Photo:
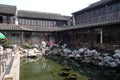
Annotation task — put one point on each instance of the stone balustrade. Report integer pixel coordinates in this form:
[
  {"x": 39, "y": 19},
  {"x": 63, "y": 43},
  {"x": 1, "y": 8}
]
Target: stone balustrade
[
  {"x": 2, "y": 67},
  {"x": 4, "y": 61}
]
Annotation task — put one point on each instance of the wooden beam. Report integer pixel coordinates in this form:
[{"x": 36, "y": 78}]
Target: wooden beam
[{"x": 101, "y": 36}]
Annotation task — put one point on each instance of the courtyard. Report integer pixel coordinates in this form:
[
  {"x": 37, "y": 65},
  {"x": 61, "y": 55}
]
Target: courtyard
[{"x": 53, "y": 68}]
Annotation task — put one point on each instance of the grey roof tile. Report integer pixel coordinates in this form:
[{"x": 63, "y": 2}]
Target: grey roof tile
[
  {"x": 94, "y": 5},
  {"x": 9, "y": 27},
  {"x": 39, "y": 28},
  {"x": 7, "y": 9},
  {"x": 40, "y": 15},
  {"x": 98, "y": 24}
]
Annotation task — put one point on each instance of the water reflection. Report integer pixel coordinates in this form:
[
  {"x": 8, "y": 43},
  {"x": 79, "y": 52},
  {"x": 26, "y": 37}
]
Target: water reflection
[
  {"x": 40, "y": 65},
  {"x": 90, "y": 70}
]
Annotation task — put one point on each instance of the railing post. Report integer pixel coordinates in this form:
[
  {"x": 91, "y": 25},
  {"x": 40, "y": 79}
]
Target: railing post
[{"x": 0, "y": 68}]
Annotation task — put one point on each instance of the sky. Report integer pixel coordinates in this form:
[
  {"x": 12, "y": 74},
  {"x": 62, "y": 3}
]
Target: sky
[{"x": 63, "y": 7}]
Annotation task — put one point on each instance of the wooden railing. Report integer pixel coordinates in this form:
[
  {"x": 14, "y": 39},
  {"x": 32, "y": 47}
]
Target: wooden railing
[{"x": 101, "y": 18}]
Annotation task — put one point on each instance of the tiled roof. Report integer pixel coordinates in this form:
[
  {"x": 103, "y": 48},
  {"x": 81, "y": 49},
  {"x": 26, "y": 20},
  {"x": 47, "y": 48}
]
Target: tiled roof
[
  {"x": 40, "y": 15},
  {"x": 94, "y": 5},
  {"x": 101, "y": 2},
  {"x": 7, "y": 9},
  {"x": 27, "y": 28},
  {"x": 9, "y": 27},
  {"x": 68, "y": 17},
  {"x": 39, "y": 28},
  {"x": 99, "y": 24},
  {"x": 53, "y": 29}
]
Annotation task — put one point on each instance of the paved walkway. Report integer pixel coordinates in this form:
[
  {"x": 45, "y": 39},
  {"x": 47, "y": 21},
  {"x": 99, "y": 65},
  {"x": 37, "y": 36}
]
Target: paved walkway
[
  {"x": 8, "y": 62},
  {"x": 13, "y": 74}
]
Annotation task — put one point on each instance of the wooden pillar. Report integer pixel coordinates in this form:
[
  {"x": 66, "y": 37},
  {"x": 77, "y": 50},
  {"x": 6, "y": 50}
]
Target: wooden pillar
[
  {"x": 91, "y": 38},
  {"x": 30, "y": 41},
  {"x": 70, "y": 33},
  {"x": 0, "y": 69},
  {"x": 0, "y": 57},
  {"x": 22, "y": 37},
  {"x": 101, "y": 36},
  {"x": 101, "y": 39}
]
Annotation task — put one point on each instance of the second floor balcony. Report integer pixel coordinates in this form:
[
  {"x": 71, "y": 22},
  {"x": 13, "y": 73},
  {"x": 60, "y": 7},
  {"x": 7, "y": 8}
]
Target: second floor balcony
[{"x": 97, "y": 19}]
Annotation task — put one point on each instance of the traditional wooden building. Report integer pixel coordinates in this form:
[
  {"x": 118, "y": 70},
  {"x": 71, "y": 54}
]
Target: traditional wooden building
[
  {"x": 32, "y": 18},
  {"x": 7, "y": 22},
  {"x": 97, "y": 26},
  {"x": 7, "y": 14},
  {"x": 31, "y": 27},
  {"x": 40, "y": 25}
]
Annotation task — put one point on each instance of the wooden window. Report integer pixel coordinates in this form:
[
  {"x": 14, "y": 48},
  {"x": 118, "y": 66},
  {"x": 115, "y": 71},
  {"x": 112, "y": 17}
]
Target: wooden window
[
  {"x": 1, "y": 19},
  {"x": 108, "y": 9},
  {"x": 103, "y": 10},
  {"x": 54, "y": 23},
  {"x": 38, "y": 22},
  {"x": 25, "y": 21},
  {"x": 28, "y": 21},
  {"x": 118, "y": 6},
  {"x": 19, "y": 21},
  {"x": 4, "y": 19},
  {"x": 16, "y": 38},
  {"x": 43, "y": 23},
  {"x": 46, "y": 23},
  {"x": 22, "y": 21},
  {"x": 31, "y": 22},
  {"x": 51, "y": 23},
  {"x": 11, "y": 19},
  {"x": 113, "y": 7},
  {"x": 91, "y": 13}
]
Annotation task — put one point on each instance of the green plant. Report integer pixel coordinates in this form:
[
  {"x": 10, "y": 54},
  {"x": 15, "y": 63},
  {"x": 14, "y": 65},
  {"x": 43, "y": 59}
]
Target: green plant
[
  {"x": 28, "y": 46},
  {"x": 5, "y": 43}
]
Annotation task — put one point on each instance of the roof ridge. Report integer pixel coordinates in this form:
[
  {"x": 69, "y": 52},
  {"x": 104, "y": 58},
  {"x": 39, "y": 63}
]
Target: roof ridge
[
  {"x": 39, "y": 12},
  {"x": 7, "y": 5}
]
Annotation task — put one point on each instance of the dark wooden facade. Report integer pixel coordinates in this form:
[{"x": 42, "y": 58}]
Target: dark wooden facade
[
  {"x": 98, "y": 25},
  {"x": 7, "y": 19},
  {"x": 32, "y": 18},
  {"x": 7, "y": 14},
  {"x": 99, "y": 13}
]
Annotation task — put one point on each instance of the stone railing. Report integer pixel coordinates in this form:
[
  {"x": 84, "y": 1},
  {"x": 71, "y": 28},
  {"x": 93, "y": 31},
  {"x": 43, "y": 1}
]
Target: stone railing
[
  {"x": 2, "y": 67},
  {"x": 4, "y": 61}
]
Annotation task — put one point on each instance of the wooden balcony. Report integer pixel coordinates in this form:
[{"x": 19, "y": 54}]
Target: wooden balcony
[{"x": 97, "y": 19}]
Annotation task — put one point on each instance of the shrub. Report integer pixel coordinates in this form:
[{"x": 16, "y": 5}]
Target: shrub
[
  {"x": 5, "y": 43},
  {"x": 28, "y": 46}
]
